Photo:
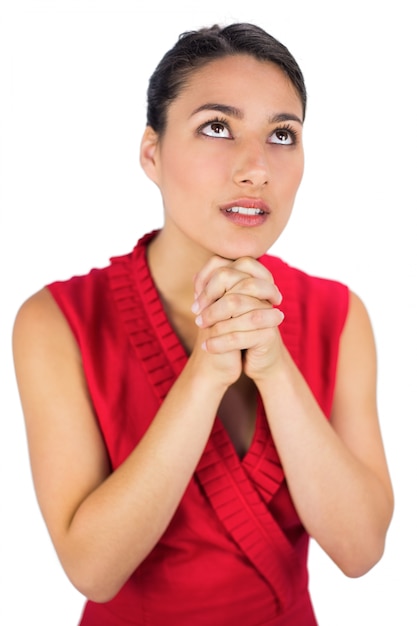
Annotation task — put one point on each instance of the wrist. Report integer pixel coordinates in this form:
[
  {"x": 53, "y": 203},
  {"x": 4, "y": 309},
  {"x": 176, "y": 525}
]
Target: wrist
[{"x": 203, "y": 373}]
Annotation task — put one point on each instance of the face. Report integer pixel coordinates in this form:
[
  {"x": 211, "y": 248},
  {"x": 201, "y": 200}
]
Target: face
[{"x": 231, "y": 158}]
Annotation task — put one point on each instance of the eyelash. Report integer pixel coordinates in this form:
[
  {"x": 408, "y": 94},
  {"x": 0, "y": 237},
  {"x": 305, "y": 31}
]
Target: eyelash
[
  {"x": 217, "y": 120},
  {"x": 290, "y": 130},
  {"x": 224, "y": 122}
]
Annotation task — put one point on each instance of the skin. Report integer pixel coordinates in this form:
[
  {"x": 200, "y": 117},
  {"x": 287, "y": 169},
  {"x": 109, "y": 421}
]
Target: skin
[{"x": 221, "y": 301}]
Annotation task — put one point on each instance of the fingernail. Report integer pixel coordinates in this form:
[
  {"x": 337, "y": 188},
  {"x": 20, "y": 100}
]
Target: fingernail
[
  {"x": 195, "y": 307},
  {"x": 199, "y": 320}
]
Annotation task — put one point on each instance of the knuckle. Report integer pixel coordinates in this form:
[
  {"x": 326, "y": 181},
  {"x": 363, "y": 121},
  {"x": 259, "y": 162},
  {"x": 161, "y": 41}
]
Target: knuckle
[
  {"x": 247, "y": 284},
  {"x": 233, "y": 301},
  {"x": 216, "y": 330},
  {"x": 222, "y": 343},
  {"x": 244, "y": 262},
  {"x": 223, "y": 273},
  {"x": 256, "y": 317},
  {"x": 232, "y": 341}
]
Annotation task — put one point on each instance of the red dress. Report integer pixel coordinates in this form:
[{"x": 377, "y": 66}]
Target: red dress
[{"x": 235, "y": 552}]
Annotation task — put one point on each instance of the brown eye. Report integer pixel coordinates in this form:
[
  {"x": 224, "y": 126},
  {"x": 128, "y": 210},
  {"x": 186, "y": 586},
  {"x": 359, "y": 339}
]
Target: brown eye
[
  {"x": 283, "y": 137},
  {"x": 216, "y": 128}
]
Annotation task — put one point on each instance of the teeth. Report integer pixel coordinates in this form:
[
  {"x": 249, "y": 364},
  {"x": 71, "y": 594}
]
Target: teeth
[{"x": 244, "y": 210}]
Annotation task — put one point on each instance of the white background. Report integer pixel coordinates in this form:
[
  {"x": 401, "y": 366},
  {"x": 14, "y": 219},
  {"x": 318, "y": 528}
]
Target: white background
[{"x": 73, "y": 80}]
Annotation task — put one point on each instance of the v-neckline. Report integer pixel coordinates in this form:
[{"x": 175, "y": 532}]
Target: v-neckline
[
  {"x": 240, "y": 491},
  {"x": 164, "y": 357},
  {"x": 170, "y": 342}
]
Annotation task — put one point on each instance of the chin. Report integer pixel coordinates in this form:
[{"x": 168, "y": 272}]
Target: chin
[{"x": 237, "y": 250}]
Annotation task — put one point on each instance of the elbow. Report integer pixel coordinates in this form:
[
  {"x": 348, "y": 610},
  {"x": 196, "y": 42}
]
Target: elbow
[
  {"x": 98, "y": 575},
  {"x": 356, "y": 561},
  {"x": 96, "y": 591},
  {"x": 364, "y": 546},
  {"x": 359, "y": 567},
  {"x": 93, "y": 583}
]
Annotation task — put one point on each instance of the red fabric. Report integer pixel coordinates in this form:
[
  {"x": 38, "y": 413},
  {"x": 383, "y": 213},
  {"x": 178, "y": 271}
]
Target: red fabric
[{"x": 235, "y": 551}]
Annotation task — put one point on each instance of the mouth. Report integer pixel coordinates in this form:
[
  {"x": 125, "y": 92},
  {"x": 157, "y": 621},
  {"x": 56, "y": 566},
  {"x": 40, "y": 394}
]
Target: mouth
[
  {"x": 246, "y": 212},
  {"x": 242, "y": 210},
  {"x": 246, "y": 206}
]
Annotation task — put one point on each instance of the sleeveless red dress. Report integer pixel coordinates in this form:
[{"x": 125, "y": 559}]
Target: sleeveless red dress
[{"x": 235, "y": 552}]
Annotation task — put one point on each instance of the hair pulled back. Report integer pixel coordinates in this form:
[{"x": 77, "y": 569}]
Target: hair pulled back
[{"x": 195, "y": 49}]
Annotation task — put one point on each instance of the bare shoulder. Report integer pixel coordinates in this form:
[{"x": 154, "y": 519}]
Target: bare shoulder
[
  {"x": 36, "y": 303},
  {"x": 48, "y": 363},
  {"x": 39, "y": 322},
  {"x": 60, "y": 420},
  {"x": 358, "y": 324},
  {"x": 356, "y": 371},
  {"x": 355, "y": 412},
  {"x": 42, "y": 341},
  {"x": 356, "y": 374}
]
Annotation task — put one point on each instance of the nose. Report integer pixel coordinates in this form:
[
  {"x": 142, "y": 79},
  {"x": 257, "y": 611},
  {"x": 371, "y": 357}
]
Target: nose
[{"x": 251, "y": 167}]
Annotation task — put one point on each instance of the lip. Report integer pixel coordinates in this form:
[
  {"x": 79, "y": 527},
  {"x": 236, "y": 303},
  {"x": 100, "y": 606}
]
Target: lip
[
  {"x": 254, "y": 214},
  {"x": 247, "y": 203}
]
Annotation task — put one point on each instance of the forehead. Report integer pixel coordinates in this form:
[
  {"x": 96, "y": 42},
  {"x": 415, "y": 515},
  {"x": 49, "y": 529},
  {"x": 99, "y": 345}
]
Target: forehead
[{"x": 239, "y": 79}]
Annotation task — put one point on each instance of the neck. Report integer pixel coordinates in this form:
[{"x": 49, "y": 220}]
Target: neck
[{"x": 173, "y": 263}]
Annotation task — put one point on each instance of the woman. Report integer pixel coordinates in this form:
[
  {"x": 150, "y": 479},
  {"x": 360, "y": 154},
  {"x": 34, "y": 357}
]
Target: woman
[{"x": 198, "y": 409}]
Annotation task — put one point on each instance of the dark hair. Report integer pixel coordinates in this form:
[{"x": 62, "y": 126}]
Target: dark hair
[{"x": 197, "y": 48}]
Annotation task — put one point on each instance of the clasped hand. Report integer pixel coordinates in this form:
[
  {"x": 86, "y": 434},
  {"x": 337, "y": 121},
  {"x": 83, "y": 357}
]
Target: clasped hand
[{"x": 237, "y": 316}]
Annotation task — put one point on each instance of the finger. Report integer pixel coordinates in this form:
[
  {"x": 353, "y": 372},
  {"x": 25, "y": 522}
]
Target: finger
[
  {"x": 203, "y": 276},
  {"x": 244, "y": 265},
  {"x": 242, "y": 339},
  {"x": 257, "y": 288},
  {"x": 234, "y": 292},
  {"x": 232, "y": 305},
  {"x": 251, "y": 266},
  {"x": 219, "y": 282}
]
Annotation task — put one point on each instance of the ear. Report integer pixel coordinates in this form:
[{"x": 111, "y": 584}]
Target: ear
[{"x": 148, "y": 153}]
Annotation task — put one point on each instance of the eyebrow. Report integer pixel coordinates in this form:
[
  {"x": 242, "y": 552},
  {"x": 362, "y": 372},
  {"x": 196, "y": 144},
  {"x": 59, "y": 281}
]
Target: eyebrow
[
  {"x": 238, "y": 113},
  {"x": 285, "y": 117},
  {"x": 222, "y": 108}
]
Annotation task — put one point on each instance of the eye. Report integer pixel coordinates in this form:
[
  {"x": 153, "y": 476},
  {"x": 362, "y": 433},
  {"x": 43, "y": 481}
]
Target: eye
[
  {"x": 283, "y": 136},
  {"x": 216, "y": 128}
]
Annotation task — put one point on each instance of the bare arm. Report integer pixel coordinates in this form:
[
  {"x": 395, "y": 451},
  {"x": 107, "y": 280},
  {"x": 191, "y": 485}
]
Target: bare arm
[
  {"x": 336, "y": 472},
  {"x": 104, "y": 524}
]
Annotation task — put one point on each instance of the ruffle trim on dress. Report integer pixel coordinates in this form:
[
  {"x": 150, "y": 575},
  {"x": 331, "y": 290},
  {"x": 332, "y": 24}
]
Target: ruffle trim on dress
[
  {"x": 141, "y": 311},
  {"x": 163, "y": 357},
  {"x": 239, "y": 491},
  {"x": 262, "y": 463},
  {"x": 246, "y": 517}
]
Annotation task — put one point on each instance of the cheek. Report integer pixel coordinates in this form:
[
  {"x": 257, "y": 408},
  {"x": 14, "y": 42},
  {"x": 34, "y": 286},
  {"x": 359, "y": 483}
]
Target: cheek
[
  {"x": 175, "y": 171},
  {"x": 298, "y": 174},
  {"x": 294, "y": 174},
  {"x": 195, "y": 171}
]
